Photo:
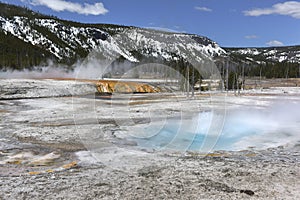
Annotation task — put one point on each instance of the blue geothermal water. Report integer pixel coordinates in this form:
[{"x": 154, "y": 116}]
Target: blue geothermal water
[{"x": 237, "y": 130}]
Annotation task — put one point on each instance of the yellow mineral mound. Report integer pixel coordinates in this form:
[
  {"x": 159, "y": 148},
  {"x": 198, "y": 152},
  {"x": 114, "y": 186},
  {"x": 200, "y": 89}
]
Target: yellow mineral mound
[{"x": 110, "y": 86}]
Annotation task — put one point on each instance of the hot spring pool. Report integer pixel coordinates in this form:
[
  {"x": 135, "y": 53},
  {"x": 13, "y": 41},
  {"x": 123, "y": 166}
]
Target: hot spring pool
[{"x": 236, "y": 130}]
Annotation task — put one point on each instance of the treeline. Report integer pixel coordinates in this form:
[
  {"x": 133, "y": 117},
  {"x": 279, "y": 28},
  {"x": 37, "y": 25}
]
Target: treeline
[
  {"x": 234, "y": 72},
  {"x": 17, "y": 54},
  {"x": 275, "y": 70},
  {"x": 10, "y": 11}
]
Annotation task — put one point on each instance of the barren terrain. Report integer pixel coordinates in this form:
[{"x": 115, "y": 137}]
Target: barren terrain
[{"x": 60, "y": 140}]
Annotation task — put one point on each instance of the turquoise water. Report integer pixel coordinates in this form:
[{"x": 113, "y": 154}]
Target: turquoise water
[
  {"x": 237, "y": 130},
  {"x": 175, "y": 134}
]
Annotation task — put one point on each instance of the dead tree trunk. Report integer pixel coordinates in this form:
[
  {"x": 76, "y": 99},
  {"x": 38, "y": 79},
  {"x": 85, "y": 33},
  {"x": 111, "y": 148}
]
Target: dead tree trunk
[
  {"x": 193, "y": 81},
  {"x": 188, "y": 82}
]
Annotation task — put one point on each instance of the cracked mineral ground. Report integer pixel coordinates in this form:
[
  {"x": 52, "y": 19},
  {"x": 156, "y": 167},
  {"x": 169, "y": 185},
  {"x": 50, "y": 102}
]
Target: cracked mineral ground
[{"x": 60, "y": 140}]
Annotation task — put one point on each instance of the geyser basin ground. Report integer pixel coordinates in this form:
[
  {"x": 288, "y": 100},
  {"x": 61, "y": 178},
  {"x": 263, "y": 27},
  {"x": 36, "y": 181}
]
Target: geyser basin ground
[{"x": 121, "y": 170}]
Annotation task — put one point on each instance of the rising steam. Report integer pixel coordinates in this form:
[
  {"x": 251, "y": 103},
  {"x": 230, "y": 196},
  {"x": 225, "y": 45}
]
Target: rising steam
[{"x": 90, "y": 68}]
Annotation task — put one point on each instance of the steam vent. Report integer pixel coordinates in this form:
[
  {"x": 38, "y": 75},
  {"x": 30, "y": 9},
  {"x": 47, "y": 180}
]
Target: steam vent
[{"x": 109, "y": 86}]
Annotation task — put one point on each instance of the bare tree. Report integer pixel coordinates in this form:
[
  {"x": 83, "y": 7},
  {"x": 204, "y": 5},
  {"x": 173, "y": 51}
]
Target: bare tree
[
  {"x": 227, "y": 75},
  {"x": 187, "y": 81},
  {"x": 260, "y": 72},
  {"x": 243, "y": 77},
  {"x": 287, "y": 72},
  {"x": 193, "y": 81}
]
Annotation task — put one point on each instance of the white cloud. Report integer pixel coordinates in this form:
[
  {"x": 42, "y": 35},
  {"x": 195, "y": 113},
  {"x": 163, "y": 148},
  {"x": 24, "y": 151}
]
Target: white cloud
[
  {"x": 289, "y": 8},
  {"x": 205, "y": 9},
  {"x": 274, "y": 43},
  {"x": 251, "y": 36},
  {"x": 62, "y": 5}
]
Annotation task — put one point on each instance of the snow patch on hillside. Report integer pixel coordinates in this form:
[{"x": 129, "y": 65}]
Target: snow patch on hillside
[{"x": 62, "y": 40}]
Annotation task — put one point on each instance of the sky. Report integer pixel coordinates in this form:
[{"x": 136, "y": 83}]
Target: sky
[{"x": 231, "y": 23}]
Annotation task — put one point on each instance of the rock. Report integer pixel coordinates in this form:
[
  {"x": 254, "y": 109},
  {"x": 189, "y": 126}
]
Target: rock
[
  {"x": 249, "y": 192},
  {"x": 214, "y": 185},
  {"x": 150, "y": 171}
]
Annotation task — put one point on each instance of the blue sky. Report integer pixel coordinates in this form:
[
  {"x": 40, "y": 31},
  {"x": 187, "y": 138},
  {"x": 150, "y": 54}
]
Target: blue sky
[{"x": 231, "y": 23}]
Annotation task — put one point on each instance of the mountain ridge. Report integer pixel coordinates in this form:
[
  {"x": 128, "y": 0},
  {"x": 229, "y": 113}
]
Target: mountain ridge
[
  {"x": 68, "y": 41},
  {"x": 267, "y": 54},
  {"x": 29, "y": 39}
]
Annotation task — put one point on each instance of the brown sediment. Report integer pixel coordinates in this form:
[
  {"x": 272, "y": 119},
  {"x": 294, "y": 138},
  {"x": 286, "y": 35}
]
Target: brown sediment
[
  {"x": 34, "y": 173},
  {"x": 72, "y": 79},
  {"x": 70, "y": 165},
  {"x": 63, "y": 146},
  {"x": 70, "y": 123},
  {"x": 58, "y": 169},
  {"x": 252, "y": 83},
  {"x": 250, "y": 154}
]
